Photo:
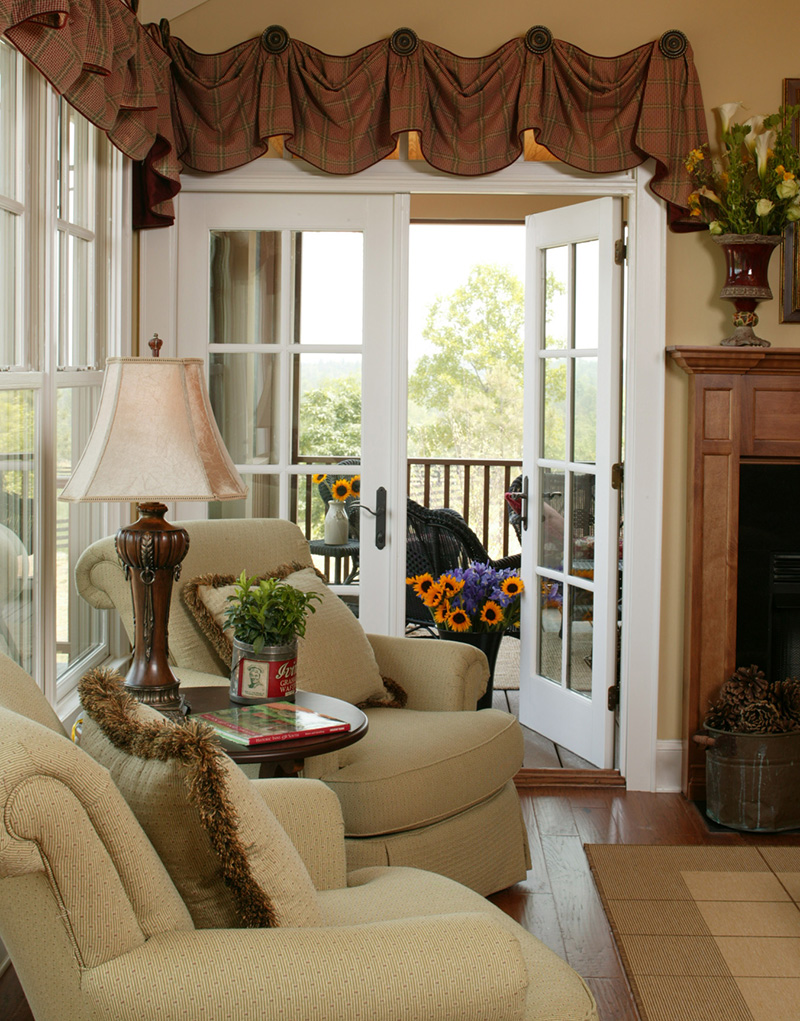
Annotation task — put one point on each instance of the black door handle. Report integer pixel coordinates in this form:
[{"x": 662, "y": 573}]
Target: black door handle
[{"x": 380, "y": 516}]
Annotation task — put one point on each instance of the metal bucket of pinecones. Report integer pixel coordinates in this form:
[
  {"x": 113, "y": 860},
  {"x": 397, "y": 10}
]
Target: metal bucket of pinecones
[{"x": 752, "y": 742}]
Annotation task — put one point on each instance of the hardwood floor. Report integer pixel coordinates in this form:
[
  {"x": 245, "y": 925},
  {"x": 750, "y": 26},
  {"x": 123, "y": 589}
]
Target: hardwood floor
[{"x": 558, "y": 901}]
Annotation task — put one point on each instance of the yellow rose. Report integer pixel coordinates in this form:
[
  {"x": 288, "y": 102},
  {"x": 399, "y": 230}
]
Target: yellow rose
[{"x": 764, "y": 207}]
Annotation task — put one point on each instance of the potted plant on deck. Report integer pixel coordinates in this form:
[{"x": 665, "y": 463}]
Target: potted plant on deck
[
  {"x": 267, "y": 616},
  {"x": 477, "y": 605}
]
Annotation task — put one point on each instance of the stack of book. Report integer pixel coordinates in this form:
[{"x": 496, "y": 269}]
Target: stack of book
[{"x": 274, "y": 721}]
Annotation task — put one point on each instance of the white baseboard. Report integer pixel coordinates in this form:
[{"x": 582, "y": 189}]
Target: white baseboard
[{"x": 669, "y": 759}]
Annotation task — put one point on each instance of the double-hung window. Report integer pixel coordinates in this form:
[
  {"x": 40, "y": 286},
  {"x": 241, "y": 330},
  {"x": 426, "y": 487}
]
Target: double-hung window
[{"x": 63, "y": 309}]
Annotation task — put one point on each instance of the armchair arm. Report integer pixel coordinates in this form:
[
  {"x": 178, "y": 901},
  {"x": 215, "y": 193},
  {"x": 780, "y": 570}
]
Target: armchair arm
[
  {"x": 443, "y": 968},
  {"x": 310, "y": 813},
  {"x": 437, "y": 675}
]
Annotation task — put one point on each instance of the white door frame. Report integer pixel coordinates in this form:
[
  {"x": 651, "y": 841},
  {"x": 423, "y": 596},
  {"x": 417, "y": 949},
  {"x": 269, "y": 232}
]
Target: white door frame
[{"x": 646, "y": 369}]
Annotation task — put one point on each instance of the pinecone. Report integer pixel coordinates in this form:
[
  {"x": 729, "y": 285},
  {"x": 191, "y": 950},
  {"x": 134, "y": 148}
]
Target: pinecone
[
  {"x": 747, "y": 684},
  {"x": 722, "y": 716},
  {"x": 760, "y": 718},
  {"x": 786, "y": 696}
]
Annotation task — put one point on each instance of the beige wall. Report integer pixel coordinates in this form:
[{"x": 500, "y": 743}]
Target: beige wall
[{"x": 742, "y": 52}]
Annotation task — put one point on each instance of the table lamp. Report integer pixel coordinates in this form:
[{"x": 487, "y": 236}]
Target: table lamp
[{"x": 154, "y": 440}]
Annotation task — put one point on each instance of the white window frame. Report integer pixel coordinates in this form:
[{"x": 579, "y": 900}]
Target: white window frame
[{"x": 41, "y": 231}]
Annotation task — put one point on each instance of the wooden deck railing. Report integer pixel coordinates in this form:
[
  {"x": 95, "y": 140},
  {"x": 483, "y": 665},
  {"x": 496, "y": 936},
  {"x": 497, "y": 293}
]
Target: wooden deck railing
[{"x": 474, "y": 487}]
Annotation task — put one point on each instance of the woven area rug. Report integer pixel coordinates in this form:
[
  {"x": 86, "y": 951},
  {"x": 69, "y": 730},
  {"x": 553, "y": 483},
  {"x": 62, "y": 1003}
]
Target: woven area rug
[{"x": 705, "y": 932}]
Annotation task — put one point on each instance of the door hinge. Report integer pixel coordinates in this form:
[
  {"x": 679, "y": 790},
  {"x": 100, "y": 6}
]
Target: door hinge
[
  {"x": 613, "y": 697},
  {"x": 617, "y": 475},
  {"x": 620, "y": 252}
]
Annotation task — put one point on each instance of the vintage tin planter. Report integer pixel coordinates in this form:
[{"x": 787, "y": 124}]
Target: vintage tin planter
[
  {"x": 266, "y": 676},
  {"x": 753, "y": 780}
]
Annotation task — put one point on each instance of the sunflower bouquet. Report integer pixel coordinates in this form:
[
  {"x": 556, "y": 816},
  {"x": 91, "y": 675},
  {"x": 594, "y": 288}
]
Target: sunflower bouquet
[
  {"x": 340, "y": 489},
  {"x": 475, "y": 598}
]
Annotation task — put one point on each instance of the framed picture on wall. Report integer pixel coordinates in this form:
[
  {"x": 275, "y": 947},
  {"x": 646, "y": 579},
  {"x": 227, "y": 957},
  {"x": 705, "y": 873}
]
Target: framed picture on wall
[{"x": 790, "y": 250}]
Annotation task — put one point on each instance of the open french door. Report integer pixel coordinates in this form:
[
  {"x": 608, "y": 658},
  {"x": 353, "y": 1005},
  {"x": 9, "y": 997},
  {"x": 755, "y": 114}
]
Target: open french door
[
  {"x": 571, "y": 545},
  {"x": 289, "y": 300}
]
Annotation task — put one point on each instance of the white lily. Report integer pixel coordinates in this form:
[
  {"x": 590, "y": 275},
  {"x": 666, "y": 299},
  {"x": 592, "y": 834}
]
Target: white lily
[
  {"x": 756, "y": 126},
  {"x": 764, "y": 142},
  {"x": 726, "y": 114},
  {"x": 709, "y": 194}
]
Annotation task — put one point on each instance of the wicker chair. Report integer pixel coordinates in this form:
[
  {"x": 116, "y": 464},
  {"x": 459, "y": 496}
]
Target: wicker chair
[{"x": 437, "y": 541}]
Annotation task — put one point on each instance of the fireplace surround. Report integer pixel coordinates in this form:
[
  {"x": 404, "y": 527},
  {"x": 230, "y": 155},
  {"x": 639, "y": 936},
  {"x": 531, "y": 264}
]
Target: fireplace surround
[{"x": 744, "y": 419}]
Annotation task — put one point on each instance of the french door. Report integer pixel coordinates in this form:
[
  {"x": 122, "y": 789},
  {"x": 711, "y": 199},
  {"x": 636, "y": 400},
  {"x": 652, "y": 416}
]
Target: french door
[
  {"x": 289, "y": 300},
  {"x": 571, "y": 554}
]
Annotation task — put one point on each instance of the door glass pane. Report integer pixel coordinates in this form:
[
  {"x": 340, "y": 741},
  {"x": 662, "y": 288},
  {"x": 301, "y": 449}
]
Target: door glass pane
[
  {"x": 556, "y": 297},
  {"x": 587, "y": 305},
  {"x": 79, "y": 626},
  {"x": 74, "y": 267},
  {"x": 584, "y": 411},
  {"x": 551, "y": 640},
  {"x": 328, "y": 407},
  {"x": 17, "y": 525},
  {"x": 554, "y": 402},
  {"x": 551, "y": 534},
  {"x": 329, "y": 287},
  {"x": 579, "y": 673},
  {"x": 8, "y": 121},
  {"x": 262, "y": 501},
  {"x": 582, "y": 533},
  {"x": 76, "y": 168},
  {"x": 245, "y": 286},
  {"x": 245, "y": 397},
  {"x": 8, "y": 288}
]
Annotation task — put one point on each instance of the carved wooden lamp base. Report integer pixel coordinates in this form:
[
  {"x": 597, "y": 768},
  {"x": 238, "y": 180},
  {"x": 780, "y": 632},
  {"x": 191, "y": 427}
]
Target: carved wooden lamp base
[{"x": 152, "y": 551}]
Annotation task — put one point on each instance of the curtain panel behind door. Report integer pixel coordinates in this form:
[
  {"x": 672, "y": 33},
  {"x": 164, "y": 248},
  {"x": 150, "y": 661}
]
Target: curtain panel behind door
[{"x": 168, "y": 107}]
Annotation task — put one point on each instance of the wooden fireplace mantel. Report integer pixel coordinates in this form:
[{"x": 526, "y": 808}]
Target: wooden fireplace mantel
[{"x": 744, "y": 407}]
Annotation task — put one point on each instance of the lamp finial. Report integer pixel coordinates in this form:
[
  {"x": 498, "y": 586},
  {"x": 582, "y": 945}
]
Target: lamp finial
[{"x": 155, "y": 345}]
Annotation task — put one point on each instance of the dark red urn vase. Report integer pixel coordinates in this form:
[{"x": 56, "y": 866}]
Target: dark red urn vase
[{"x": 746, "y": 282}]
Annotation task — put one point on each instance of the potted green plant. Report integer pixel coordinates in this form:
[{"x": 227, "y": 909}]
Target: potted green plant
[{"x": 267, "y": 616}]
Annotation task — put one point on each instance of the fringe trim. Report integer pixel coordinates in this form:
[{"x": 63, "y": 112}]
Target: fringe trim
[
  {"x": 192, "y": 745},
  {"x": 220, "y": 642},
  {"x": 398, "y": 699},
  {"x": 223, "y": 646}
]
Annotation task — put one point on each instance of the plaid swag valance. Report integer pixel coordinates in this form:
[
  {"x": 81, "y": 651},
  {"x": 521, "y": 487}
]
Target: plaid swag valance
[{"x": 168, "y": 107}]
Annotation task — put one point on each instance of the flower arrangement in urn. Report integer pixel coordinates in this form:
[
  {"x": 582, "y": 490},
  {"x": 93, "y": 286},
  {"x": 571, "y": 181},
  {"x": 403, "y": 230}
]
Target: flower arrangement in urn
[
  {"x": 748, "y": 195},
  {"x": 752, "y": 186},
  {"x": 477, "y": 598}
]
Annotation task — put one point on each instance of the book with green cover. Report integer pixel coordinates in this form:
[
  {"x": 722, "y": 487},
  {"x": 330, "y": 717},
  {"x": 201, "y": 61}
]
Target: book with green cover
[{"x": 274, "y": 721}]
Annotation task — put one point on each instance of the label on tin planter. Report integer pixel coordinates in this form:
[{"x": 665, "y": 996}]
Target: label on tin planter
[{"x": 259, "y": 678}]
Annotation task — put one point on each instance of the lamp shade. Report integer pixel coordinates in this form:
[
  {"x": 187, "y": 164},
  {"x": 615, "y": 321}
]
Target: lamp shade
[{"x": 154, "y": 438}]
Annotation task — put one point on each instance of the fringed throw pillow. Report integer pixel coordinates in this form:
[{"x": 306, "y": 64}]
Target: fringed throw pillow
[
  {"x": 230, "y": 859},
  {"x": 335, "y": 656}
]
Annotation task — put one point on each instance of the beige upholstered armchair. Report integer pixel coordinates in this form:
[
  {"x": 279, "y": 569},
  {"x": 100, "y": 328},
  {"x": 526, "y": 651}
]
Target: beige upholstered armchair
[
  {"x": 431, "y": 785},
  {"x": 100, "y": 925}
]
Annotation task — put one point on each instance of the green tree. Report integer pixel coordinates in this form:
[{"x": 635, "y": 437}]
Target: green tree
[
  {"x": 330, "y": 419},
  {"x": 466, "y": 395}
]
